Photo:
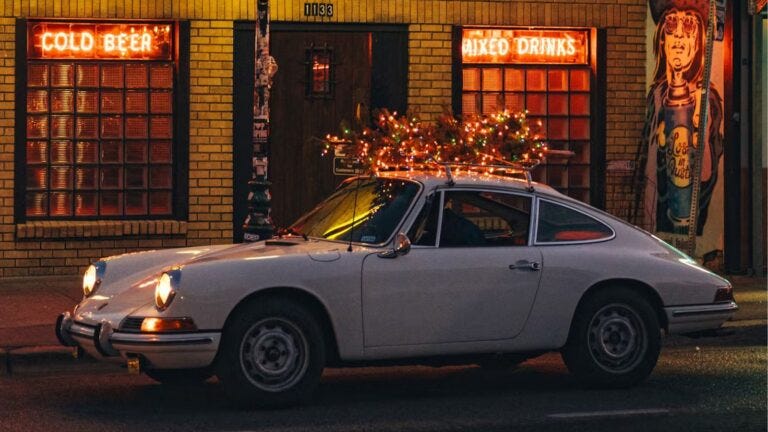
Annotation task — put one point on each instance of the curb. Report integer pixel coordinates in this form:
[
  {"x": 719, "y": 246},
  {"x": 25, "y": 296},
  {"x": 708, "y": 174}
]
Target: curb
[{"x": 13, "y": 358}]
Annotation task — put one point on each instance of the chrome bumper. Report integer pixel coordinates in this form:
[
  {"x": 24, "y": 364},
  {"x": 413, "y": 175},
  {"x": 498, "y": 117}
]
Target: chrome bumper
[
  {"x": 161, "y": 351},
  {"x": 686, "y": 319}
]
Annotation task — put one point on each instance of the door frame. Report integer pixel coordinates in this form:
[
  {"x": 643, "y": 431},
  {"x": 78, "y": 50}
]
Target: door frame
[{"x": 243, "y": 87}]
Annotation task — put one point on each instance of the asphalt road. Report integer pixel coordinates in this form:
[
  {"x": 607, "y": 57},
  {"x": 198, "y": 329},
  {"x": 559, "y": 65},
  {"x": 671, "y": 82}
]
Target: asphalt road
[{"x": 716, "y": 384}]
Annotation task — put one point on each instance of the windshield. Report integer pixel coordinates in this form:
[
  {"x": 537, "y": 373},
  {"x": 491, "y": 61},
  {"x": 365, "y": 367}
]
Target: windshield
[{"x": 364, "y": 210}]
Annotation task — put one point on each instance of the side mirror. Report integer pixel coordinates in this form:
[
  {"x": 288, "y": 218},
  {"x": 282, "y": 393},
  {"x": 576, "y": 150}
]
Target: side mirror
[{"x": 402, "y": 246}]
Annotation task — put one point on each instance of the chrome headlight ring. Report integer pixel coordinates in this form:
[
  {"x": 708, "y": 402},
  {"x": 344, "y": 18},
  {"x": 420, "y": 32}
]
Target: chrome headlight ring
[
  {"x": 92, "y": 277},
  {"x": 166, "y": 288}
]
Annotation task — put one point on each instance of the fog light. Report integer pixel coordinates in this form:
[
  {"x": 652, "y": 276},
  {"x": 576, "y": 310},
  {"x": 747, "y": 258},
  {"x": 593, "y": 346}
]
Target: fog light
[
  {"x": 724, "y": 294},
  {"x": 166, "y": 325}
]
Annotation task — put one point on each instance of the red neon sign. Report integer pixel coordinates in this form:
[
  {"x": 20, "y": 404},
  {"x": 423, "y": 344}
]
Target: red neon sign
[
  {"x": 142, "y": 41},
  {"x": 524, "y": 46}
]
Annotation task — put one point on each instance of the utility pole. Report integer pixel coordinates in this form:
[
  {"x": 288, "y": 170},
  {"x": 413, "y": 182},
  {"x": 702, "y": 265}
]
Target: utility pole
[{"x": 258, "y": 223}]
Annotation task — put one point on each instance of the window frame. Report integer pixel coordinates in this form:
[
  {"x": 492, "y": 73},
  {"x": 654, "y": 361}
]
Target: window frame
[
  {"x": 597, "y": 61},
  {"x": 442, "y": 192},
  {"x": 180, "y": 125},
  {"x": 535, "y": 227}
]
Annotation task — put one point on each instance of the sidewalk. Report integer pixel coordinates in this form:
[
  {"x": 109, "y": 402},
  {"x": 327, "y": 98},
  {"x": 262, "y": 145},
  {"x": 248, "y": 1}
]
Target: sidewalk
[{"x": 29, "y": 307}]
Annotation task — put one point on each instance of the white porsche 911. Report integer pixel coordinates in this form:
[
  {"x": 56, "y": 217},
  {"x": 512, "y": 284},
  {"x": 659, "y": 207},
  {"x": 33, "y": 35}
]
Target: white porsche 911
[{"x": 402, "y": 267}]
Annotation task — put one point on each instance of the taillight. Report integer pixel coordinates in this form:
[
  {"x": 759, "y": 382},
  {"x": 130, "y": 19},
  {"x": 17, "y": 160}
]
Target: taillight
[{"x": 724, "y": 294}]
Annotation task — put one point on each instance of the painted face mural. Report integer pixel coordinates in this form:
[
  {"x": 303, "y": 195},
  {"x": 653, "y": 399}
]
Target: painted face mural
[
  {"x": 673, "y": 113},
  {"x": 681, "y": 33}
]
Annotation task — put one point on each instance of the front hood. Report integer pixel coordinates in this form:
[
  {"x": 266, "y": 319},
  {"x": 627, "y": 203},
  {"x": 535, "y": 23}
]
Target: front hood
[
  {"x": 141, "y": 269},
  {"x": 129, "y": 280}
]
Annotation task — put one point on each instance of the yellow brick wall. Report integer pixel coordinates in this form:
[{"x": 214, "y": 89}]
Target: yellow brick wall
[
  {"x": 40, "y": 248},
  {"x": 25, "y": 250}
]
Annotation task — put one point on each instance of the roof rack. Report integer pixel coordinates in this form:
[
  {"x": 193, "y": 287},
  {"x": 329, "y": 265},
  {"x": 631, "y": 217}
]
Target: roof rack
[{"x": 504, "y": 168}]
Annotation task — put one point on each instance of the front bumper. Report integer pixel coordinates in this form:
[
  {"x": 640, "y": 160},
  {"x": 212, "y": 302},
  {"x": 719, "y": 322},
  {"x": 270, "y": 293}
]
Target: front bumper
[
  {"x": 157, "y": 351},
  {"x": 693, "y": 318}
]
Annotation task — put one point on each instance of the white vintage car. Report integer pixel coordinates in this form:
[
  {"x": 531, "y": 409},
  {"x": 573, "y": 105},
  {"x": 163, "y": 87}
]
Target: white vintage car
[{"x": 403, "y": 267}]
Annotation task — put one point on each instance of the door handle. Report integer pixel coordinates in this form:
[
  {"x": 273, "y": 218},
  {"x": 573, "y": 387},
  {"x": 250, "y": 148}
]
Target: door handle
[{"x": 526, "y": 265}]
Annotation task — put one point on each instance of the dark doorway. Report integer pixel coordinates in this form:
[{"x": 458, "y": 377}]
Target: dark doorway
[{"x": 326, "y": 74}]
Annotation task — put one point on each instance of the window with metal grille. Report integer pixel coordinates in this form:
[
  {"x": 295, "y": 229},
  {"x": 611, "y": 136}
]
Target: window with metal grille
[
  {"x": 557, "y": 99},
  {"x": 99, "y": 139},
  {"x": 320, "y": 72}
]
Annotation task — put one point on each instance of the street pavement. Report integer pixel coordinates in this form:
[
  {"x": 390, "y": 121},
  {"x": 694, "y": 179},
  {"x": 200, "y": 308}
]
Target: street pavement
[{"x": 29, "y": 308}]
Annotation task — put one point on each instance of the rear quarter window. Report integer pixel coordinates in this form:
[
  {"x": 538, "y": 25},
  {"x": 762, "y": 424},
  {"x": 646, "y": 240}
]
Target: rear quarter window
[{"x": 558, "y": 223}]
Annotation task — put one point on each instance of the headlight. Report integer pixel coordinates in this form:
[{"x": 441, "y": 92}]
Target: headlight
[
  {"x": 165, "y": 290},
  {"x": 92, "y": 277}
]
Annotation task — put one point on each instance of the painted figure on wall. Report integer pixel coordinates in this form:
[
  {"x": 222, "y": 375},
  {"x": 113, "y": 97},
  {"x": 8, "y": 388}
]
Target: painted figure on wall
[{"x": 674, "y": 101}]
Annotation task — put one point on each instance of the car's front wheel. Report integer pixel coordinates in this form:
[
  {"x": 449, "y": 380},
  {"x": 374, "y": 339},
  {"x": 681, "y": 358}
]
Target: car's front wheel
[
  {"x": 272, "y": 354},
  {"x": 614, "y": 340}
]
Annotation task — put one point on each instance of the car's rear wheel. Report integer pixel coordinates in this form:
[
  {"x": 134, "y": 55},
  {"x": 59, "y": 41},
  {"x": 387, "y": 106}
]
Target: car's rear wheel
[
  {"x": 272, "y": 354},
  {"x": 180, "y": 376},
  {"x": 614, "y": 340}
]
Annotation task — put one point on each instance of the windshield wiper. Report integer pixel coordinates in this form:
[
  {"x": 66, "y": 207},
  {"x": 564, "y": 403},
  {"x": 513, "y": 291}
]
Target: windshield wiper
[{"x": 290, "y": 231}]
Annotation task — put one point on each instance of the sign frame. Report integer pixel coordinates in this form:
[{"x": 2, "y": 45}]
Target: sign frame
[
  {"x": 121, "y": 46},
  {"x": 541, "y": 39}
]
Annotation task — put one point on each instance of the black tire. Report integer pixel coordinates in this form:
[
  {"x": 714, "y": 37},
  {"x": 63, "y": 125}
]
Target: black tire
[
  {"x": 614, "y": 340},
  {"x": 180, "y": 377},
  {"x": 272, "y": 354}
]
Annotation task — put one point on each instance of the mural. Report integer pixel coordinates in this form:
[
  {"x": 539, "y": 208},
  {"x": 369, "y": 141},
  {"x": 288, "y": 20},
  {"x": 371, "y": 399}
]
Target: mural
[{"x": 670, "y": 135}]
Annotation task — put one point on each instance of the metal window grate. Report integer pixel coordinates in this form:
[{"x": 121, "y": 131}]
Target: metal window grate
[{"x": 320, "y": 72}]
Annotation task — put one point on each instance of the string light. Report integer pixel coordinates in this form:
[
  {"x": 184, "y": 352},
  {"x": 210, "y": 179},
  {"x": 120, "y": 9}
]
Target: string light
[{"x": 405, "y": 142}]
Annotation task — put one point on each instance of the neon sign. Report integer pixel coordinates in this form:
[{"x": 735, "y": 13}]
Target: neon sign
[
  {"x": 57, "y": 40},
  {"x": 525, "y": 46}
]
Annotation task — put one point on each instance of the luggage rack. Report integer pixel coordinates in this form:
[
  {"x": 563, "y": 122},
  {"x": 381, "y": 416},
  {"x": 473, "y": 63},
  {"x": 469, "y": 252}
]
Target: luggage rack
[{"x": 503, "y": 167}]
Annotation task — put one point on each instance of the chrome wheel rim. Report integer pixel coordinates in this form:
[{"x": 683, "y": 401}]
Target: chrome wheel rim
[
  {"x": 617, "y": 338},
  {"x": 274, "y": 354}
]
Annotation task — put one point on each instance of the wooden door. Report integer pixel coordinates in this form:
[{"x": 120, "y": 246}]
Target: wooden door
[{"x": 302, "y": 113}]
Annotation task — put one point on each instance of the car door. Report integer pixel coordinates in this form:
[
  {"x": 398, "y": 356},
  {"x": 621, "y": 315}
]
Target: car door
[{"x": 475, "y": 281}]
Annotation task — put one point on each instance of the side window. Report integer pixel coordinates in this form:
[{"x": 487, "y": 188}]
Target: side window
[
  {"x": 474, "y": 218},
  {"x": 423, "y": 232},
  {"x": 562, "y": 224}
]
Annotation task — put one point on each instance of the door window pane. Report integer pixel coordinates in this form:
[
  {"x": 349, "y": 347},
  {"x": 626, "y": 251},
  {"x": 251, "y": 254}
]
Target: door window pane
[{"x": 472, "y": 219}]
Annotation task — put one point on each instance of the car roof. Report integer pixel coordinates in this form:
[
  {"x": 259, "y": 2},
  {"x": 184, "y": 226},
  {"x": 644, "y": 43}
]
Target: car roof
[{"x": 463, "y": 178}]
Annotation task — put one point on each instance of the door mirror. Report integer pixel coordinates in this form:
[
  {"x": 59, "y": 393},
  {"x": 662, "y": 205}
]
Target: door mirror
[{"x": 401, "y": 247}]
